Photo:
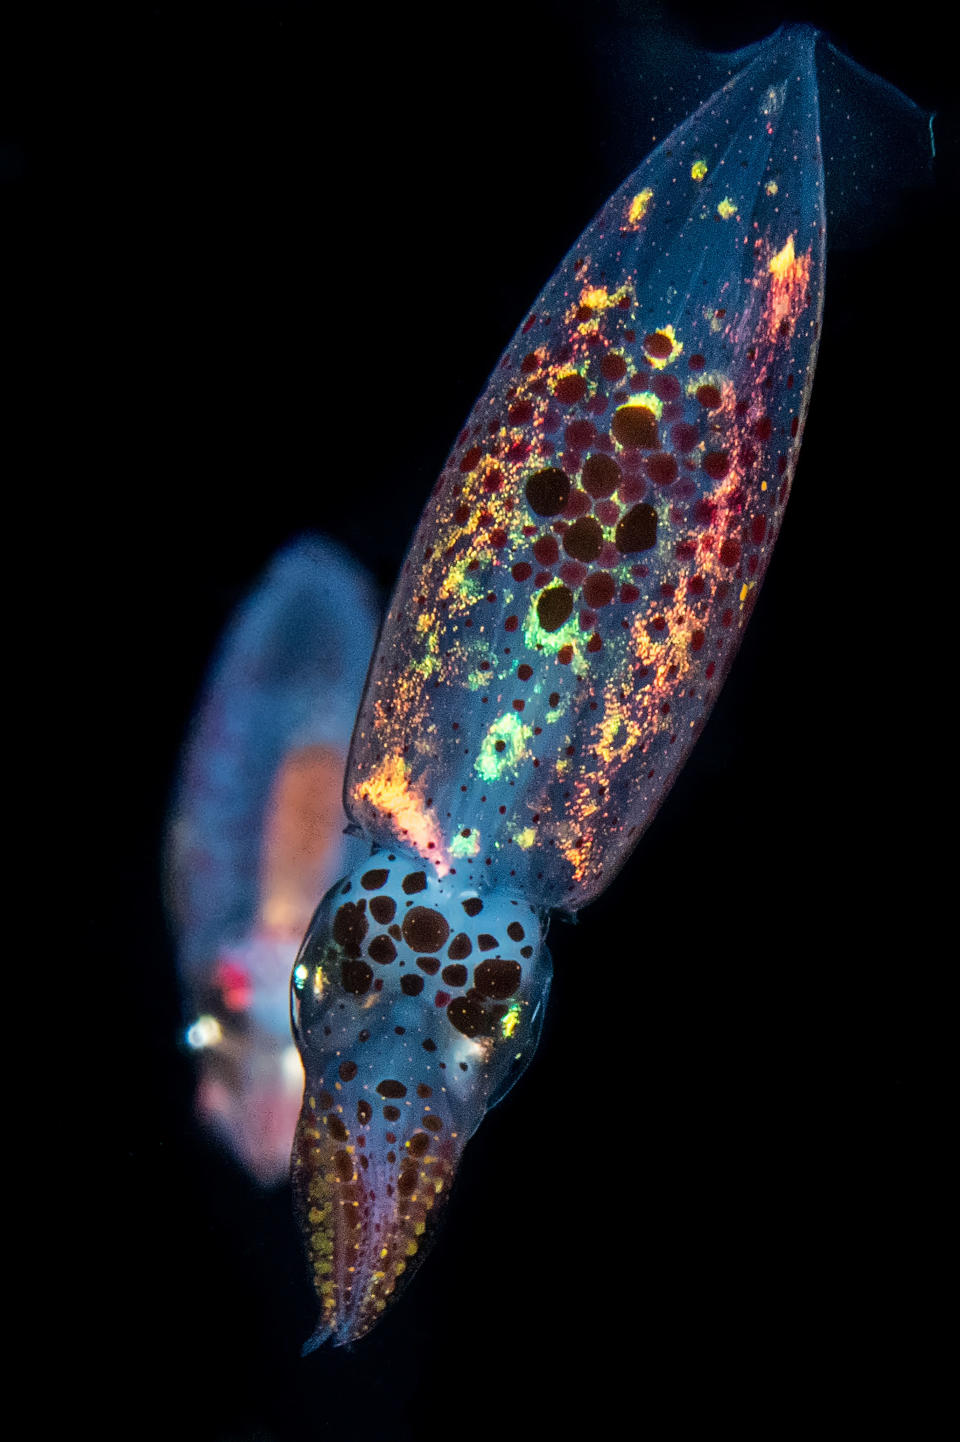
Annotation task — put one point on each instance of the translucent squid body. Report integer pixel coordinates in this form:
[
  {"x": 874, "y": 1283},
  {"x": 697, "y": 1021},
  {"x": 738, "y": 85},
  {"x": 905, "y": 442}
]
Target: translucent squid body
[
  {"x": 574, "y": 594},
  {"x": 256, "y": 836}
]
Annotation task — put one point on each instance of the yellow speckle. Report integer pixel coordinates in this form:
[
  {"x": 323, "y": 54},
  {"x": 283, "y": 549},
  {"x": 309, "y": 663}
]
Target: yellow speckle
[
  {"x": 638, "y": 206},
  {"x": 782, "y": 262},
  {"x": 771, "y": 187},
  {"x": 411, "y": 1249},
  {"x": 726, "y": 208},
  {"x": 763, "y": 485},
  {"x": 525, "y": 838},
  {"x": 698, "y": 170}
]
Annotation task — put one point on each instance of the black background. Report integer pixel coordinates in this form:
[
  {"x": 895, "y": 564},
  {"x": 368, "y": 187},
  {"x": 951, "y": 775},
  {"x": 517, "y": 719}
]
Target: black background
[{"x": 712, "y": 1197}]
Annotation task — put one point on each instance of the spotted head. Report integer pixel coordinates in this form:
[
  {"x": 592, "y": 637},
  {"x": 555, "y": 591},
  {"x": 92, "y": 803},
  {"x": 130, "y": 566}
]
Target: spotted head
[{"x": 416, "y": 1005}]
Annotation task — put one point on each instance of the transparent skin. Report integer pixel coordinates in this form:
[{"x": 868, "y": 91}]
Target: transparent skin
[
  {"x": 572, "y": 599},
  {"x": 417, "y": 1003}
]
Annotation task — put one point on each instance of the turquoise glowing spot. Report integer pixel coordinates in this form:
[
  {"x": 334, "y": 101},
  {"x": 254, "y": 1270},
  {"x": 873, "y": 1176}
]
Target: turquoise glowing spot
[
  {"x": 300, "y": 974},
  {"x": 503, "y": 747}
]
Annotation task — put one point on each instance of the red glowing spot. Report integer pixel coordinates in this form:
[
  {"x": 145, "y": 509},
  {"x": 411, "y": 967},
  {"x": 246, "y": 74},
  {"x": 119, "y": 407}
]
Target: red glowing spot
[
  {"x": 709, "y": 397},
  {"x": 594, "y": 644},
  {"x": 662, "y": 468},
  {"x": 470, "y": 459},
  {"x": 730, "y": 553},
  {"x": 522, "y": 571},
  {"x": 528, "y": 324},
  {"x": 498, "y": 539},
  {"x": 530, "y": 362},
  {"x": 565, "y": 655},
  {"x": 519, "y": 414},
  {"x": 685, "y": 550},
  {"x": 545, "y": 551},
  {"x": 666, "y": 387},
  {"x": 697, "y": 639},
  {"x": 758, "y": 529},
  {"x": 511, "y": 623},
  {"x": 696, "y": 363},
  {"x": 763, "y": 428},
  {"x": 580, "y": 434},
  {"x": 629, "y": 594}
]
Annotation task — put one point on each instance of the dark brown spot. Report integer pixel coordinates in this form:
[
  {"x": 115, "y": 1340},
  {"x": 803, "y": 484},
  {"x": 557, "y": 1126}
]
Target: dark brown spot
[
  {"x": 373, "y": 880},
  {"x": 407, "y": 1178},
  {"x": 418, "y": 1144},
  {"x": 486, "y": 942},
  {"x": 382, "y": 909},
  {"x": 637, "y": 531},
  {"x": 424, "y": 929},
  {"x": 364, "y": 1112},
  {"x": 391, "y": 1114},
  {"x": 460, "y": 947},
  {"x": 324, "y": 1101},
  {"x": 336, "y": 1127},
  {"x": 466, "y": 1015},
  {"x": 350, "y": 927},
  {"x": 584, "y": 539},
  {"x": 515, "y": 931},
  {"x": 343, "y": 1166},
  {"x": 347, "y": 1070},
  {"x": 381, "y": 949},
  {"x": 414, "y": 881},
  {"x": 635, "y": 426},
  {"x": 429, "y": 964},
  {"x": 554, "y": 607},
  {"x": 601, "y": 476},
  {"x": 570, "y": 389},
  {"x": 391, "y": 1088},
  {"x": 455, "y": 975},
  {"x": 657, "y": 345},
  {"x": 472, "y": 906},
  {"x": 498, "y": 979},
  {"x": 411, "y": 985},
  {"x": 356, "y": 977},
  {"x": 432, "y": 1123},
  {"x": 547, "y": 492},
  {"x": 709, "y": 397}
]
